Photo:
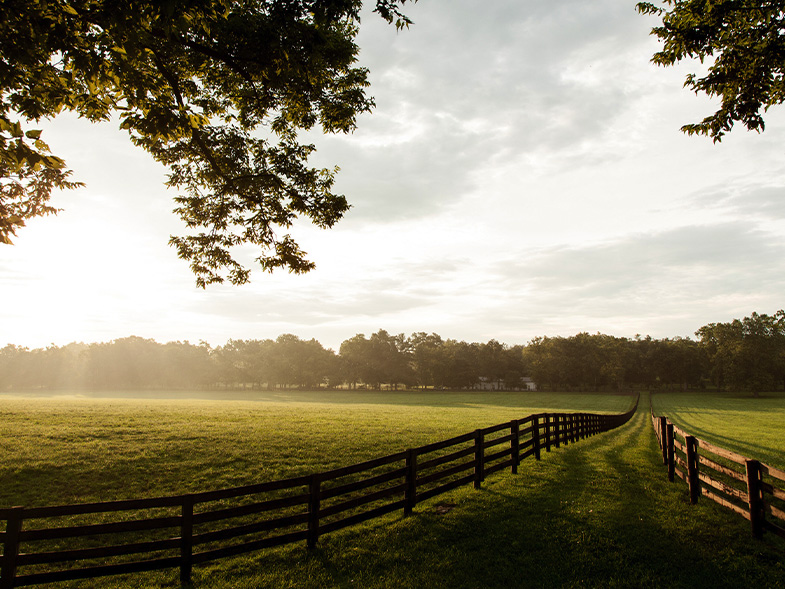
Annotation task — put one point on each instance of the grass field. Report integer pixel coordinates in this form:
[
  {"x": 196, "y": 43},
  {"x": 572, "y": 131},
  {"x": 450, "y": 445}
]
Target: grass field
[
  {"x": 599, "y": 513},
  {"x": 752, "y": 427},
  {"x": 66, "y": 450}
]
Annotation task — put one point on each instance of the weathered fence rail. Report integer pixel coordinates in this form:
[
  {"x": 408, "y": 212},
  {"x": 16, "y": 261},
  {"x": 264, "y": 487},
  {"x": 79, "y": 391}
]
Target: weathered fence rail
[
  {"x": 83, "y": 541},
  {"x": 754, "y": 490}
]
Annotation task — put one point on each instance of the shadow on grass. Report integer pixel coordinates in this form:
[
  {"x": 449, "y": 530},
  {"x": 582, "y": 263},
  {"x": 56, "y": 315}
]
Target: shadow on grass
[{"x": 599, "y": 513}]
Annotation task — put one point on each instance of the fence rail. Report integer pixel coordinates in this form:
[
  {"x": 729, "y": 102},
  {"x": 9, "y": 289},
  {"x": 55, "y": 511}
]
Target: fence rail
[
  {"x": 748, "y": 487},
  {"x": 89, "y": 540}
]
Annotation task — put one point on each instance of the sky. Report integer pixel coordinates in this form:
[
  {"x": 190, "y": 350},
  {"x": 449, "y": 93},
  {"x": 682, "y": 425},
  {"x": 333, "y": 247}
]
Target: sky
[{"x": 523, "y": 174}]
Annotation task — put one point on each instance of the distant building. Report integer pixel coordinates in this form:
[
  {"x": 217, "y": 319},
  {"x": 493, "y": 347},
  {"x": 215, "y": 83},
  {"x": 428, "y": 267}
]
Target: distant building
[
  {"x": 528, "y": 384},
  {"x": 497, "y": 384}
]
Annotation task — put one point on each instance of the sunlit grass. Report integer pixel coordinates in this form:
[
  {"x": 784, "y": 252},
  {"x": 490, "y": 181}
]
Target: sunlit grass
[
  {"x": 65, "y": 450},
  {"x": 599, "y": 513},
  {"x": 750, "y": 426}
]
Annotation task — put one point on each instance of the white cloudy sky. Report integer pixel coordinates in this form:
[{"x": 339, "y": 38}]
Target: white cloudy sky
[{"x": 523, "y": 174}]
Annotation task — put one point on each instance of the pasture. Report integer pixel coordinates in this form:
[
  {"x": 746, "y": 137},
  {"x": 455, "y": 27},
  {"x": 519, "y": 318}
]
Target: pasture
[
  {"x": 598, "y": 513},
  {"x": 739, "y": 422},
  {"x": 78, "y": 449}
]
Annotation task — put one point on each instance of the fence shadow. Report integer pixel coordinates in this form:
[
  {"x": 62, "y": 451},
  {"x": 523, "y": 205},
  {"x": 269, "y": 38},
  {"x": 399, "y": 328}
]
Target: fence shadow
[{"x": 592, "y": 514}]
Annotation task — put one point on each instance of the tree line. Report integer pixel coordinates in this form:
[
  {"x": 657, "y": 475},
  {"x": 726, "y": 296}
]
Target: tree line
[{"x": 744, "y": 354}]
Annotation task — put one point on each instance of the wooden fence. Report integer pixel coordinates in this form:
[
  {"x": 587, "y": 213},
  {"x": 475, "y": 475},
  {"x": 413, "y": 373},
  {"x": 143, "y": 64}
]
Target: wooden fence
[
  {"x": 754, "y": 490},
  {"x": 49, "y": 544}
]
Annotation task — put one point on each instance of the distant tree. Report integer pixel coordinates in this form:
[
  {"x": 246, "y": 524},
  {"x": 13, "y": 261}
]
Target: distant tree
[
  {"x": 429, "y": 360},
  {"x": 186, "y": 365},
  {"x": 501, "y": 364},
  {"x": 463, "y": 368},
  {"x": 355, "y": 357},
  {"x": 743, "y": 43},
  {"x": 303, "y": 363},
  {"x": 382, "y": 358},
  {"x": 516, "y": 367},
  {"x": 583, "y": 361},
  {"x": 125, "y": 363},
  {"x": 59, "y": 367},
  {"x": 680, "y": 362},
  {"x": 228, "y": 365},
  {"x": 14, "y": 371},
  {"x": 546, "y": 358},
  {"x": 492, "y": 361},
  {"x": 747, "y": 354},
  {"x": 616, "y": 358},
  {"x": 216, "y": 90}
]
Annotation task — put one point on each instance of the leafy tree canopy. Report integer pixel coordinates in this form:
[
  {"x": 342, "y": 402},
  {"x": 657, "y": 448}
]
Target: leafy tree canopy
[
  {"x": 743, "y": 41},
  {"x": 216, "y": 90}
]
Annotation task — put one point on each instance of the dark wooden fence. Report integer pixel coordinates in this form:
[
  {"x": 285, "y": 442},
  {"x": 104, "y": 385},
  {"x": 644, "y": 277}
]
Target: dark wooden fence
[
  {"x": 754, "y": 490},
  {"x": 48, "y": 544}
]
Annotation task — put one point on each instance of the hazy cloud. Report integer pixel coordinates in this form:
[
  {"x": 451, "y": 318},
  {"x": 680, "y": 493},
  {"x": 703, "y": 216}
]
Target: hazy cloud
[
  {"x": 481, "y": 84},
  {"x": 745, "y": 198}
]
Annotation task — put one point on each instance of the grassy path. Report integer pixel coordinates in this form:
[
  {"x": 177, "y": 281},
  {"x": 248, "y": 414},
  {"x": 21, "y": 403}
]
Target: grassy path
[{"x": 599, "y": 513}]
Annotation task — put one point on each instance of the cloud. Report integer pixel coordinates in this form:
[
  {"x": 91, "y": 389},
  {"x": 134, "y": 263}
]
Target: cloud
[
  {"x": 722, "y": 258},
  {"x": 473, "y": 85},
  {"x": 647, "y": 283},
  {"x": 749, "y": 199}
]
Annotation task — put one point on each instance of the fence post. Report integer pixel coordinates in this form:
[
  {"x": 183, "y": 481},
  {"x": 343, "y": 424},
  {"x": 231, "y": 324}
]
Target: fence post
[
  {"x": 314, "y": 491},
  {"x": 565, "y": 429},
  {"x": 515, "y": 445},
  {"x": 547, "y": 423},
  {"x": 186, "y": 538},
  {"x": 479, "y": 458},
  {"x": 662, "y": 440},
  {"x": 556, "y": 431},
  {"x": 536, "y": 436},
  {"x": 11, "y": 547},
  {"x": 692, "y": 469},
  {"x": 671, "y": 457},
  {"x": 410, "y": 495},
  {"x": 755, "y": 495}
]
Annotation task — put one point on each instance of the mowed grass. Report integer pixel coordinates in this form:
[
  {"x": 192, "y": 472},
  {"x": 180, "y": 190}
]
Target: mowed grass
[
  {"x": 737, "y": 421},
  {"x": 598, "y": 513},
  {"x": 74, "y": 449}
]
